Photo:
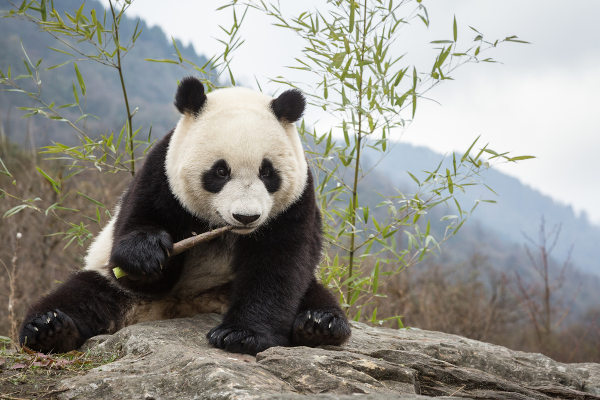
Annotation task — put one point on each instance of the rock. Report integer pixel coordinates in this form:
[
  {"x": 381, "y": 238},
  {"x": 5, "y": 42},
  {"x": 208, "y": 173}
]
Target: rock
[{"x": 172, "y": 360}]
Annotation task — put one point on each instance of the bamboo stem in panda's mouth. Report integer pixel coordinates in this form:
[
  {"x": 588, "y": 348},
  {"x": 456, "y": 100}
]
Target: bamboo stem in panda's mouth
[
  {"x": 185, "y": 244},
  {"x": 192, "y": 241}
]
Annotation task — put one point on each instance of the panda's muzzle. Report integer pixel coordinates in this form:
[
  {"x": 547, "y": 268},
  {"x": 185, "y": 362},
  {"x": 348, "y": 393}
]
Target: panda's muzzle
[{"x": 246, "y": 219}]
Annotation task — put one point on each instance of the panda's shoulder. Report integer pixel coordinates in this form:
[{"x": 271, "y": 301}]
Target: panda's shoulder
[
  {"x": 150, "y": 183},
  {"x": 155, "y": 160}
]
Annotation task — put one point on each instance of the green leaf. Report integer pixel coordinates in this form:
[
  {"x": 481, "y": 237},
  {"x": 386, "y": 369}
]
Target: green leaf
[
  {"x": 61, "y": 51},
  {"x": 43, "y": 10},
  {"x": 450, "y": 184},
  {"x": 15, "y": 210},
  {"x": 119, "y": 273},
  {"x": 5, "y": 170},
  {"x": 376, "y": 278},
  {"x": 75, "y": 96},
  {"x": 351, "y": 18},
  {"x": 79, "y": 79},
  {"x": 455, "y": 29},
  {"x": 518, "y": 158},
  {"x": 338, "y": 59},
  {"x": 55, "y": 184},
  {"x": 161, "y": 60},
  {"x": 58, "y": 65},
  {"x": 96, "y": 202},
  {"x": 414, "y": 178},
  {"x": 177, "y": 49},
  {"x": 464, "y": 157}
]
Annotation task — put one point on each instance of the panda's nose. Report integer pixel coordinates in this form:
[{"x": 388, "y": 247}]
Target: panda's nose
[{"x": 246, "y": 219}]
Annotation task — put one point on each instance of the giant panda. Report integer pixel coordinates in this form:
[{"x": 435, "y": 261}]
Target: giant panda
[{"x": 234, "y": 159}]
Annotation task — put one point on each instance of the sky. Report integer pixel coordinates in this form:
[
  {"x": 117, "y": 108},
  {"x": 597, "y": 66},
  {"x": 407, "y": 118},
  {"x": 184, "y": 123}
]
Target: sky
[{"x": 542, "y": 99}]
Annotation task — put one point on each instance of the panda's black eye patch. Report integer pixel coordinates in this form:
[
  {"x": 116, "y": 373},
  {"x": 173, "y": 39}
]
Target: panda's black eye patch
[
  {"x": 216, "y": 177},
  {"x": 269, "y": 175}
]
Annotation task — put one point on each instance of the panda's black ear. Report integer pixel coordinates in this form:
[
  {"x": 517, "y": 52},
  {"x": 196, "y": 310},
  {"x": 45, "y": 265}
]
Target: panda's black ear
[
  {"x": 289, "y": 106},
  {"x": 190, "y": 96}
]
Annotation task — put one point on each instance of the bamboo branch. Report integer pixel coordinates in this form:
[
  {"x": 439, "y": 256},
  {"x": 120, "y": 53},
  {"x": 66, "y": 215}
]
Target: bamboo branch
[{"x": 192, "y": 241}]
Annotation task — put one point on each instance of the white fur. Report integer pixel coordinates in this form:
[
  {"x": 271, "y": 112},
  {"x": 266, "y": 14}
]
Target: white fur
[
  {"x": 206, "y": 266},
  {"x": 98, "y": 253},
  {"x": 237, "y": 125},
  {"x": 246, "y": 195}
]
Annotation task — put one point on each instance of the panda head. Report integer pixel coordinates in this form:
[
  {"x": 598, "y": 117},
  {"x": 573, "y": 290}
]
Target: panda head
[{"x": 235, "y": 157}]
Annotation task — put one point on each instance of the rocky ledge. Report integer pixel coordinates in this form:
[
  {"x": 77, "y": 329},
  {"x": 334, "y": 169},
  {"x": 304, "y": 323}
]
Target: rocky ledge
[{"x": 172, "y": 360}]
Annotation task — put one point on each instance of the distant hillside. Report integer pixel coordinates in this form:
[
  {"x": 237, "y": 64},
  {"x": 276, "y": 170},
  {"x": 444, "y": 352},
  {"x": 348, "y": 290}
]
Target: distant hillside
[
  {"x": 519, "y": 209},
  {"x": 151, "y": 86},
  {"x": 496, "y": 232}
]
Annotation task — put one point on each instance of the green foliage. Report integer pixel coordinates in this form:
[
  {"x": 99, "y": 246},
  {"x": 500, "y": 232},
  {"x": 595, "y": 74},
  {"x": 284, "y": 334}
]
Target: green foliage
[
  {"x": 219, "y": 64},
  {"x": 78, "y": 37}
]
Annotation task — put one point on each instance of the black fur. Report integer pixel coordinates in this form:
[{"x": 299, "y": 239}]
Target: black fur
[
  {"x": 319, "y": 320},
  {"x": 269, "y": 176},
  {"x": 216, "y": 177},
  {"x": 289, "y": 106},
  {"x": 142, "y": 252},
  {"x": 273, "y": 269},
  {"x": 84, "y": 306},
  {"x": 190, "y": 97},
  {"x": 274, "y": 299}
]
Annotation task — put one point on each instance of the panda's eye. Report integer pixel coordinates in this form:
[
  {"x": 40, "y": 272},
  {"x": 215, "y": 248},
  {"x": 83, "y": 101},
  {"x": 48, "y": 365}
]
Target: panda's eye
[
  {"x": 269, "y": 175},
  {"x": 222, "y": 172},
  {"x": 265, "y": 171}
]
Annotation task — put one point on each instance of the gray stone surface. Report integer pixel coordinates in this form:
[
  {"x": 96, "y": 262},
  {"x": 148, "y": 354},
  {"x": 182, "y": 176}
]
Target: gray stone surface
[{"x": 172, "y": 360}]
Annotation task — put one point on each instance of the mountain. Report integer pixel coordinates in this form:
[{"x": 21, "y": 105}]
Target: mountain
[
  {"x": 518, "y": 211},
  {"x": 151, "y": 86}
]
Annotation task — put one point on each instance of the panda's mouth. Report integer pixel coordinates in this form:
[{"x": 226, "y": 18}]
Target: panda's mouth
[{"x": 242, "y": 231}]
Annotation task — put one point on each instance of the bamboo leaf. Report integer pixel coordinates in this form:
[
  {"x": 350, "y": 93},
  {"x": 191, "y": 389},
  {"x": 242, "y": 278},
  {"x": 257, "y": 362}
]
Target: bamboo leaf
[
  {"x": 338, "y": 59},
  {"x": 455, "y": 29},
  {"x": 161, "y": 60},
  {"x": 518, "y": 158},
  {"x": 352, "y": 16},
  {"x": 79, "y": 79},
  {"x": 450, "y": 184}
]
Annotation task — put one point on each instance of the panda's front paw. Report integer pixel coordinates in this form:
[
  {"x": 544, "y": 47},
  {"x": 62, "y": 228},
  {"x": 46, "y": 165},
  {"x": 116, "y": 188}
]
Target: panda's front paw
[
  {"x": 320, "y": 327},
  {"x": 53, "y": 331},
  {"x": 142, "y": 253},
  {"x": 239, "y": 340}
]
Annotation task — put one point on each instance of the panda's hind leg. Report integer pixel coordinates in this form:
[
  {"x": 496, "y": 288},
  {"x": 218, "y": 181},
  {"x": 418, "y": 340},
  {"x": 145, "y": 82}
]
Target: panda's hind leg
[
  {"x": 87, "y": 304},
  {"x": 320, "y": 320}
]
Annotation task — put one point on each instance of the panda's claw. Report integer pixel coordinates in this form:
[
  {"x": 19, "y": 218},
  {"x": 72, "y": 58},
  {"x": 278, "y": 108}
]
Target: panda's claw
[
  {"x": 53, "y": 331},
  {"x": 238, "y": 340},
  {"x": 320, "y": 327}
]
